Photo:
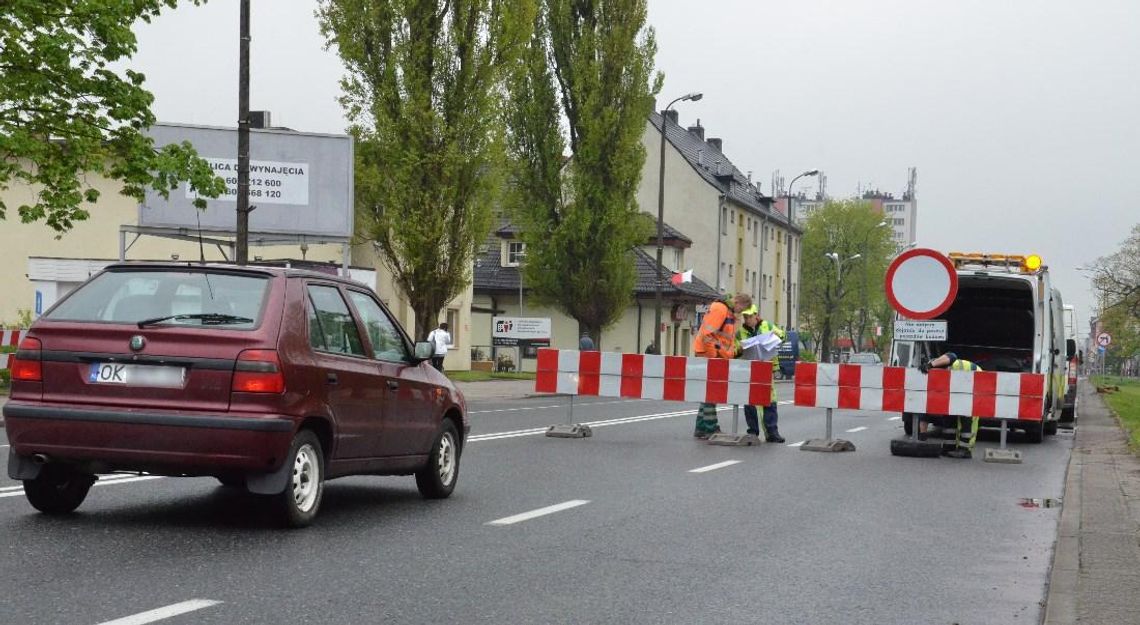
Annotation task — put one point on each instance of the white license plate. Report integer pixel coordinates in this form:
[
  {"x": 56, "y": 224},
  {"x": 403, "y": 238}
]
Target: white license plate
[{"x": 136, "y": 375}]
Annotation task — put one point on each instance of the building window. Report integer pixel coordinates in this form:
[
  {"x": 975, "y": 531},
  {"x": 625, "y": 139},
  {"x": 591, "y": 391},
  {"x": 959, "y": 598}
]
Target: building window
[
  {"x": 730, "y": 271},
  {"x": 748, "y": 223},
  {"x": 678, "y": 259},
  {"x": 779, "y": 237},
  {"x": 756, "y": 235},
  {"x": 899, "y": 222},
  {"x": 763, "y": 286},
  {"x": 732, "y": 217},
  {"x": 724, "y": 220},
  {"x": 453, "y": 326},
  {"x": 516, "y": 250},
  {"x": 771, "y": 233}
]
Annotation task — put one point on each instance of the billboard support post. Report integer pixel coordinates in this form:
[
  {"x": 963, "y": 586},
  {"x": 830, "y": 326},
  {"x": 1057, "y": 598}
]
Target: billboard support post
[{"x": 242, "y": 229}]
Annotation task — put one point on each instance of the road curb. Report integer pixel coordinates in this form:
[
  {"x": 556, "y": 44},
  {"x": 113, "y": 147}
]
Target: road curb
[{"x": 1064, "y": 574}]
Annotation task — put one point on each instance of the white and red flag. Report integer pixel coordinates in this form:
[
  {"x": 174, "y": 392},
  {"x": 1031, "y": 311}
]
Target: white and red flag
[{"x": 682, "y": 277}]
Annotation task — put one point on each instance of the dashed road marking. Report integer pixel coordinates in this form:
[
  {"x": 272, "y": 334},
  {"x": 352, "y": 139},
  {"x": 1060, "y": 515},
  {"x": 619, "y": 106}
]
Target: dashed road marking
[
  {"x": 714, "y": 467},
  {"x": 159, "y": 614},
  {"x": 526, "y": 516},
  {"x": 104, "y": 480},
  {"x": 796, "y": 444},
  {"x": 858, "y": 429},
  {"x": 898, "y": 418}
]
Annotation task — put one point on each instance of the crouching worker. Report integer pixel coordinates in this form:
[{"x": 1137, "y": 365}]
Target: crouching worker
[
  {"x": 964, "y": 439},
  {"x": 716, "y": 338}
]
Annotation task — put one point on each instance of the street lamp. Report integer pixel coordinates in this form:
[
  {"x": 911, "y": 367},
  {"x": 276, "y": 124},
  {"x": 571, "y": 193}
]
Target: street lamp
[
  {"x": 839, "y": 276},
  {"x": 791, "y": 216},
  {"x": 661, "y": 214}
]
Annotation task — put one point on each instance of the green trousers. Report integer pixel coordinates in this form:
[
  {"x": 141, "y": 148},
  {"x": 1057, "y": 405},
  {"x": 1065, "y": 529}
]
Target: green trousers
[{"x": 706, "y": 419}]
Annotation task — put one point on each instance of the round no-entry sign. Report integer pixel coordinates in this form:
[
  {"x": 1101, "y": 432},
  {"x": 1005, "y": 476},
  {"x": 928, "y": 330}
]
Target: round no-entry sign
[
  {"x": 1104, "y": 339},
  {"x": 921, "y": 284}
]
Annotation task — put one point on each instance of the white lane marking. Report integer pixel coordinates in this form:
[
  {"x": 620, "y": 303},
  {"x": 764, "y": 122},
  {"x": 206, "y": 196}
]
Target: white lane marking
[
  {"x": 3, "y": 445},
  {"x": 592, "y": 403},
  {"x": 619, "y": 421},
  {"x": 526, "y": 516},
  {"x": 785, "y": 403},
  {"x": 13, "y": 491},
  {"x": 898, "y": 418},
  {"x": 858, "y": 429},
  {"x": 796, "y": 444},
  {"x": 159, "y": 614},
  {"x": 714, "y": 467}
]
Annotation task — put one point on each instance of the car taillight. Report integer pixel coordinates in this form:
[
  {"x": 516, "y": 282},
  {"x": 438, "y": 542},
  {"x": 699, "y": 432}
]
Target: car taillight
[
  {"x": 258, "y": 371},
  {"x": 26, "y": 365}
]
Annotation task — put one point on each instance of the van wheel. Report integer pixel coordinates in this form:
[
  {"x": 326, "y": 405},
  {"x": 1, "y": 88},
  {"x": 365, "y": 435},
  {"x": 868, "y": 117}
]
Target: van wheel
[
  {"x": 1035, "y": 433},
  {"x": 1051, "y": 428},
  {"x": 58, "y": 489},
  {"x": 437, "y": 478},
  {"x": 299, "y": 502}
]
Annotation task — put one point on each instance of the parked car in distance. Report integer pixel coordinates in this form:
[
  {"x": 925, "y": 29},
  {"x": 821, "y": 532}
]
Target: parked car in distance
[
  {"x": 865, "y": 358},
  {"x": 274, "y": 380}
]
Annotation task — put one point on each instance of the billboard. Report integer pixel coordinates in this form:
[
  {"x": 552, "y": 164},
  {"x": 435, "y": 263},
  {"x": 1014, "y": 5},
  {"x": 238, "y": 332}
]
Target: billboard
[
  {"x": 521, "y": 331},
  {"x": 300, "y": 183}
]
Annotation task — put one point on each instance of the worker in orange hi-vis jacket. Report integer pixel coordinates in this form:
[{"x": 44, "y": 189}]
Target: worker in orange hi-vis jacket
[{"x": 716, "y": 338}]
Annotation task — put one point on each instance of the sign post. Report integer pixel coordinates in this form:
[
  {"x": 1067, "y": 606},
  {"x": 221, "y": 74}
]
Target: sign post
[{"x": 920, "y": 285}]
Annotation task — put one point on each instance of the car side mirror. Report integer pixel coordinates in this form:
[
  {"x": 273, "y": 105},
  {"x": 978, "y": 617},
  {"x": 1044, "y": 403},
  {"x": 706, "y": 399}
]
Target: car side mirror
[
  {"x": 424, "y": 351},
  {"x": 1070, "y": 349}
]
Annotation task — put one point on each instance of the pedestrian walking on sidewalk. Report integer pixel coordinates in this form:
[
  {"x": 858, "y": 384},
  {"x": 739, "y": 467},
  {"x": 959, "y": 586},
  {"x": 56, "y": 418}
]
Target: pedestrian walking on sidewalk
[
  {"x": 440, "y": 340},
  {"x": 716, "y": 338},
  {"x": 585, "y": 343}
]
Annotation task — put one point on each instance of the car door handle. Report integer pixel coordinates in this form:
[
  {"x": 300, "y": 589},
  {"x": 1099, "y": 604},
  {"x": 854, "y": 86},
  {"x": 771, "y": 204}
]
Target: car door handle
[
  {"x": 393, "y": 385},
  {"x": 330, "y": 377}
]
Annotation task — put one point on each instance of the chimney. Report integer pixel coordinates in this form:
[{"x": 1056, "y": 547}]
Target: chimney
[
  {"x": 716, "y": 143},
  {"x": 698, "y": 130},
  {"x": 672, "y": 115},
  {"x": 259, "y": 119}
]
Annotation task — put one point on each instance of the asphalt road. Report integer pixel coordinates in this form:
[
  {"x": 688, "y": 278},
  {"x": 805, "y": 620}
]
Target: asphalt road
[{"x": 778, "y": 536}]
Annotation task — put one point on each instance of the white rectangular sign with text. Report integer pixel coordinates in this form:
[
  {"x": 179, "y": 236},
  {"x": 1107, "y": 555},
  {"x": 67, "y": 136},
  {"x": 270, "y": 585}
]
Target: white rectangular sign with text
[
  {"x": 270, "y": 182},
  {"x": 913, "y": 330}
]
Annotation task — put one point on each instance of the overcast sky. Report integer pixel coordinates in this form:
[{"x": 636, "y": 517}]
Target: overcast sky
[{"x": 1021, "y": 117}]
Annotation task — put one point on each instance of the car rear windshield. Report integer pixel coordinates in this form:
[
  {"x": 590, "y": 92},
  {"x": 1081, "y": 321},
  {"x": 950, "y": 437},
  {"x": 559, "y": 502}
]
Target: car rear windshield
[{"x": 167, "y": 297}]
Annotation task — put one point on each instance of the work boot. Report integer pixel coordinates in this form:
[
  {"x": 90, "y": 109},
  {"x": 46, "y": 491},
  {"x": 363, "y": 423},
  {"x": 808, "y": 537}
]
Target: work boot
[
  {"x": 774, "y": 437},
  {"x": 960, "y": 453}
]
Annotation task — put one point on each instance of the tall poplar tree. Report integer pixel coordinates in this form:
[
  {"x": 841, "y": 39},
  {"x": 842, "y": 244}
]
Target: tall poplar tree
[
  {"x": 424, "y": 94},
  {"x": 66, "y": 112},
  {"x": 580, "y": 225}
]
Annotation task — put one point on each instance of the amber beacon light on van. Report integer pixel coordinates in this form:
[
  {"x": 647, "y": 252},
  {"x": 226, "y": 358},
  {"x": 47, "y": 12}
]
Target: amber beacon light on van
[{"x": 1026, "y": 264}]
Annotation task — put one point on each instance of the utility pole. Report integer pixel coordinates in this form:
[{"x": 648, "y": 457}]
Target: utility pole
[{"x": 242, "y": 244}]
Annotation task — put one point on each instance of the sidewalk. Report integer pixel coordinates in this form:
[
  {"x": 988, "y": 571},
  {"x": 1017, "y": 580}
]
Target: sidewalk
[{"x": 1096, "y": 566}]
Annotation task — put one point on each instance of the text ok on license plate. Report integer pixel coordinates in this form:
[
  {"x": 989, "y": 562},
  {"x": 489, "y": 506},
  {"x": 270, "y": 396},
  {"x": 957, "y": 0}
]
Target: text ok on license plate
[{"x": 138, "y": 375}]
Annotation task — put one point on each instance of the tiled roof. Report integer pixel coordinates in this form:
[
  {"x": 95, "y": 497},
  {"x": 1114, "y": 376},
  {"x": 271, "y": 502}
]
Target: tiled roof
[
  {"x": 703, "y": 157},
  {"x": 490, "y": 275}
]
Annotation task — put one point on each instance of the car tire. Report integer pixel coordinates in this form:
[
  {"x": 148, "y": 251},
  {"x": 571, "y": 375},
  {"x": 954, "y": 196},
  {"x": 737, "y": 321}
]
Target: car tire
[
  {"x": 58, "y": 489},
  {"x": 299, "y": 502},
  {"x": 1035, "y": 433},
  {"x": 437, "y": 478},
  {"x": 1051, "y": 428}
]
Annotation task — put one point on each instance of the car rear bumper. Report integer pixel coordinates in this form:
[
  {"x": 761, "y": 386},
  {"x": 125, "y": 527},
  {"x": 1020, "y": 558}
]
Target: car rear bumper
[{"x": 156, "y": 441}]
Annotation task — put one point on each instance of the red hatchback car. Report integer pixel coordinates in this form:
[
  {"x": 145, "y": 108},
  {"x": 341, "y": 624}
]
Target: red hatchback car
[{"x": 271, "y": 379}]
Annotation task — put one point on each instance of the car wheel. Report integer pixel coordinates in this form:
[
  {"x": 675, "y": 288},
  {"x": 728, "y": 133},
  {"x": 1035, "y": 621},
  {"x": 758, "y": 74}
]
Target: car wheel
[
  {"x": 58, "y": 489},
  {"x": 1035, "y": 433},
  {"x": 437, "y": 478},
  {"x": 1050, "y": 428},
  {"x": 301, "y": 498}
]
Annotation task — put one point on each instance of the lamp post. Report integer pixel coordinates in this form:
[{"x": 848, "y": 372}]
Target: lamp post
[
  {"x": 791, "y": 217},
  {"x": 661, "y": 214},
  {"x": 839, "y": 279}
]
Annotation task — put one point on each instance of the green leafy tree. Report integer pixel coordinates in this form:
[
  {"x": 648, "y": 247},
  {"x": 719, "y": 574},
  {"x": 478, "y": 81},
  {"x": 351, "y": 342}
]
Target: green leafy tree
[
  {"x": 425, "y": 94},
  {"x": 850, "y": 298},
  {"x": 579, "y": 221},
  {"x": 65, "y": 113},
  {"x": 1117, "y": 278}
]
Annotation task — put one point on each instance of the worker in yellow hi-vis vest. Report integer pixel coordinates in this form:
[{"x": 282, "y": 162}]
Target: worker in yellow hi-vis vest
[
  {"x": 964, "y": 439},
  {"x": 754, "y": 325}
]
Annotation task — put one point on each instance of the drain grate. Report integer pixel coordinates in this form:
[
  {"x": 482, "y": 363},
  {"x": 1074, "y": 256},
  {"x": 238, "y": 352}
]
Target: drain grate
[{"x": 1032, "y": 502}]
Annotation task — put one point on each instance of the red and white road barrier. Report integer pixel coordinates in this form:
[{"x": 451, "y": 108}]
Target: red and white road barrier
[
  {"x": 987, "y": 394},
  {"x": 647, "y": 376},
  {"x": 9, "y": 338}
]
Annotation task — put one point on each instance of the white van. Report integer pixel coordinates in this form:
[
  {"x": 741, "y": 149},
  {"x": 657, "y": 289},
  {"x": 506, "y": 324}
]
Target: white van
[{"x": 1006, "y": 317}]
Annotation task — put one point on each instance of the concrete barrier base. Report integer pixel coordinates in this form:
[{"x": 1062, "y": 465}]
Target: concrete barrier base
[
  {"x": 1003, "y": 456},
  {"x": 823, "y": 444},
  {"x": 576, "y": 430},
  {"x": 733, "y": 440}
]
